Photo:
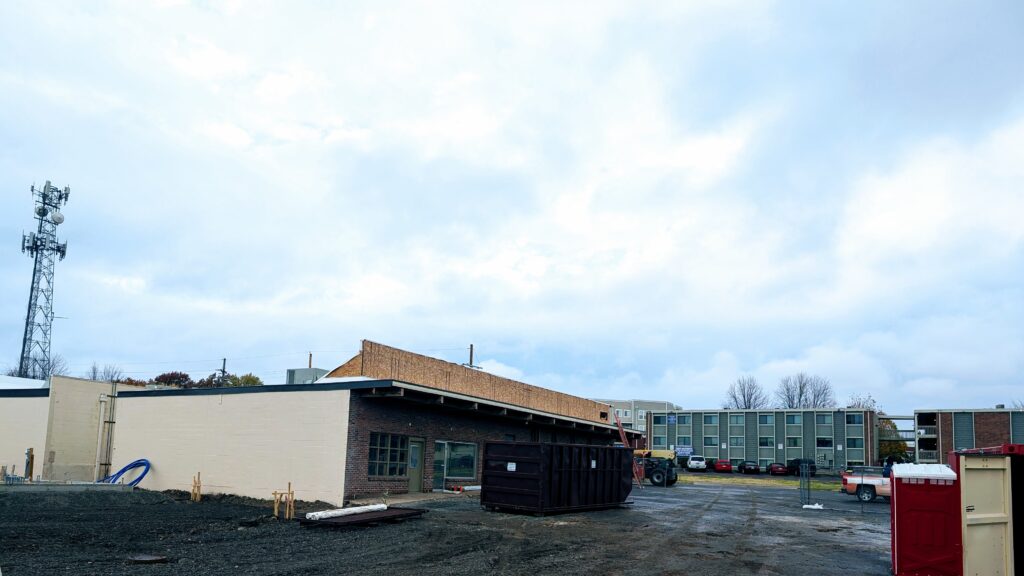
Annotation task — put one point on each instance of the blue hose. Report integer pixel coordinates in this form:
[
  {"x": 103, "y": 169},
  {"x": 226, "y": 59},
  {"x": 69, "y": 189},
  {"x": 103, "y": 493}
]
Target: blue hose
[{"x": 113, "y": 478}]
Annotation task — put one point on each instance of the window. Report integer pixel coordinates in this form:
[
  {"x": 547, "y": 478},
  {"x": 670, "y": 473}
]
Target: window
[
  {"x": 388, "y": 454},
  {"x": 625, "y": 413},
  {"x": 736, "y": 419},
  {"x": 823, "y": 442},
  {"x": 766, "y": 418},
  {"x": 659, "y": 441},
  {"x": 618, "y": 412},
  {"x": 735, "y": 440},
  {"x": 766, "y": 442},
  {"x": 684, "y": 419},
  {"x": 793, "y": 442},
  {"x": 641, "y": 413},
  {"x": 823, "y": 418},
  {"x": 854, "y": 442},
  {"x": 684, "y": 441},
  {"x": 461, "y": 460},
  {"x": 711, "y": 440},
  {"x": 711, "y": 419},
  {"x": 794, "y": 419},
  {"x": 854, "y": 418},
  {"x": 659, "y": 419}
]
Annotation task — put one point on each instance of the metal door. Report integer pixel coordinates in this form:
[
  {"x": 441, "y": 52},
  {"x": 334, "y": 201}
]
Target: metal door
[
  {"x": 988, "y": 531},
  {"x": 415, "y": 466}
]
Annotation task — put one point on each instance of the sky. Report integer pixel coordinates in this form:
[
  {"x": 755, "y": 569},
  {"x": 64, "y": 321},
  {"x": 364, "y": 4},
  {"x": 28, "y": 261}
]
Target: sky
[{"x": 614, "y": 200}]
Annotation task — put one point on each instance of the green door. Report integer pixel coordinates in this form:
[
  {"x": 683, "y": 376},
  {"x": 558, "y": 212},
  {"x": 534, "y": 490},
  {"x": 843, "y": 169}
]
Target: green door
[{"x": 415, "y": 466}]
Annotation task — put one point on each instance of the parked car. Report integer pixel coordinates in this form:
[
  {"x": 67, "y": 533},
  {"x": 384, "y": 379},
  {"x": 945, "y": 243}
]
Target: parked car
[
  {"x": 776, "y": 469},
  {"x": 723, "y": 466},
  {"x": 696, "y": 464},
  {"x": 749, "y": 467},
  {"x": 793, "y": 466}
]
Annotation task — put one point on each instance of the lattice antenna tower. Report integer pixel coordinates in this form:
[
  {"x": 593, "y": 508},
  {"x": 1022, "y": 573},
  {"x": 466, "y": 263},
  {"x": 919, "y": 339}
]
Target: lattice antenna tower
[{"x": 43, "y": 246}]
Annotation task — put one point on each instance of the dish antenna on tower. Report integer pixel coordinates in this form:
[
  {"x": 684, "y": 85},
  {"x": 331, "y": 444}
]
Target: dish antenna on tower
[{"x": 44, "y": 248}]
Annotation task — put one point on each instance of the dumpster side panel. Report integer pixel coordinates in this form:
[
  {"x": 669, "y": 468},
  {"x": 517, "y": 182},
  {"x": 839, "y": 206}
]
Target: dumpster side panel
[{"x": 547, "y": 477}]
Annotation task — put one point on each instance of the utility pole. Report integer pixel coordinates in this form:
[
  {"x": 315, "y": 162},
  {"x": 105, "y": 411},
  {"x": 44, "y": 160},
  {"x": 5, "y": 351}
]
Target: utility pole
[
  {"x": 44, "y": 248},
  {"x": 223, "y": 371}
]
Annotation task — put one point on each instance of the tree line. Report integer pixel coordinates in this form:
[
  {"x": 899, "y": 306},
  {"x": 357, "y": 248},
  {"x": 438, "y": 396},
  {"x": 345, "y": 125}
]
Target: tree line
[{"x": 174, "y": 379}]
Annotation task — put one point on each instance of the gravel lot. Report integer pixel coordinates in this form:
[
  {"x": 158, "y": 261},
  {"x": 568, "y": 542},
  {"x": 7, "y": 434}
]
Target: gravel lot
[{"x": 685, "y": 529}]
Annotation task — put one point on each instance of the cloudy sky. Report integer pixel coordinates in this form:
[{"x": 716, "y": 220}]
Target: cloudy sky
[{"x": 612, "y": 200}]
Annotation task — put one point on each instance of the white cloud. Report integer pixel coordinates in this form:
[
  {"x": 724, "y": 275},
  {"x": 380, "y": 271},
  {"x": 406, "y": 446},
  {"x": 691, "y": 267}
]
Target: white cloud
[{"x": 226, "y": 133}]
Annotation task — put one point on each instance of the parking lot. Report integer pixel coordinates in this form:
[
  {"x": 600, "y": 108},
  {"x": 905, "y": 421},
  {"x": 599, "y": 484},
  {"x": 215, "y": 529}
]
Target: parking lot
[{"x": 699, "y": 528}]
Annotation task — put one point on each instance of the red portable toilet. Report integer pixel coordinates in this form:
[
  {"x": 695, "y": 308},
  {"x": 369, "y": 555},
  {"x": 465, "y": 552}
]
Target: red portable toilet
[{"x": 926, "y": 536}]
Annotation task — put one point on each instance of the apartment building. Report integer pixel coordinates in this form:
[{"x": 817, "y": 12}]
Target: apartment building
[
  {"x": 633, "y": 413},
  {"x": 939, "y": 431},
  {"x": 833, "y": 437}
]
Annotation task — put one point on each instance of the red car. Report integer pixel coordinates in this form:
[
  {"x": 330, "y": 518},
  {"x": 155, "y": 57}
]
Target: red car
[
  {"x": 723, "y": 466},
  {"x": 777, "y": 469}
]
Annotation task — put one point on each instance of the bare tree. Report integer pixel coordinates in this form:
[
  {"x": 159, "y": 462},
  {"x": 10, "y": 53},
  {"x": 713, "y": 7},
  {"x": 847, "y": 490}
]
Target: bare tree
[
  {"x": 866, "y": 402},
  {"x": 1018, "y": 404},
  {"x": 805, "y": 391},
  {"x": 58, "y": 365},
  {"x": 745, "y": 394},
  {"x": 109, "y": 373}
]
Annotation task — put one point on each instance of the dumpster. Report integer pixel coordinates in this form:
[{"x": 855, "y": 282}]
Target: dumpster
[
  {"x": 544, "y": 478},
  {"x": 925, "y": 521},
  {"x": 992, "y": 492}
]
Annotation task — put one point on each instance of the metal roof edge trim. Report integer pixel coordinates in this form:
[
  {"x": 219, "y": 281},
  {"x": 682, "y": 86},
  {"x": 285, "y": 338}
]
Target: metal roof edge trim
[
  {"x": 25, "y": 393},
  {"x": 429, "y": 390},
  {"x": 258, "y": 389}
]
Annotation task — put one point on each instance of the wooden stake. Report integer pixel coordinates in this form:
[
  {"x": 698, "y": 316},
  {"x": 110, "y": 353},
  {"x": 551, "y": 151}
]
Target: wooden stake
[{"x": 197, "y": 487}]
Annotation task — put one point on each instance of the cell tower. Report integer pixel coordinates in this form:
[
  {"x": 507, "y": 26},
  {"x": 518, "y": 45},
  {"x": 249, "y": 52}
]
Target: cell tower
[{"x": 43, "y": 246}]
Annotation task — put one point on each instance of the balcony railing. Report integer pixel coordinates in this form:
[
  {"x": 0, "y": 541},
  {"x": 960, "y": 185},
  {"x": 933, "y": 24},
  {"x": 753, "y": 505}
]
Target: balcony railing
[
  {"x": 888, "y": 434},
  {"x": 928, "y": 430},
  {"x": 927, "y": 455}
]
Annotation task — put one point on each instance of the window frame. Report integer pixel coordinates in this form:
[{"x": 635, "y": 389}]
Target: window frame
[{"x": 397, "y": 456}]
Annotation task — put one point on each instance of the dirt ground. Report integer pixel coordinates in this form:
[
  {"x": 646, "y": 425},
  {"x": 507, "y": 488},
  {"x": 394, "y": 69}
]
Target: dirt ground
[{"x": 696, "y": 528}]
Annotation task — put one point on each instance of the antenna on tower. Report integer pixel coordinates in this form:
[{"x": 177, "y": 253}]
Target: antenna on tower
[{"x": 43, "y": 246}]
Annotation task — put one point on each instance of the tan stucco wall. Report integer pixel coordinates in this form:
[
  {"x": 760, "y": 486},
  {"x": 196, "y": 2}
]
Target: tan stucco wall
[
  {"x": 23, "y": 426},
  {"x": 248, "y": 444},
  {"x": 71, "y": 434}
]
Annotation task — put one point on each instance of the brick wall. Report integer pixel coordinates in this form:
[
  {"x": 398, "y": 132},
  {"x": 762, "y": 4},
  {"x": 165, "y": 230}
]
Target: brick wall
[
  {"x": 945, "y": 434},
  {"x": 991, "y": 429},
  {"x": 430, "y": 423},
  {"x": 387, "y": 363}
]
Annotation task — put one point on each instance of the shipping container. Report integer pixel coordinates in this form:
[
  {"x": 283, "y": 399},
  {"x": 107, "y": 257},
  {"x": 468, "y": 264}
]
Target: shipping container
[{"x": 544, "y": 478}]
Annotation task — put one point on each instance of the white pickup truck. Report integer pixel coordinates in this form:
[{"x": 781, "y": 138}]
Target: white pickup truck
[{"x": 866, "y": 483}]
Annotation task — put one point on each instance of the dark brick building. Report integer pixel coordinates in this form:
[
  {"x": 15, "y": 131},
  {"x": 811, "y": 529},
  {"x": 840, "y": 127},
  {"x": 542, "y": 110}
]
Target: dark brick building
[{"x": 420, "y": 424}]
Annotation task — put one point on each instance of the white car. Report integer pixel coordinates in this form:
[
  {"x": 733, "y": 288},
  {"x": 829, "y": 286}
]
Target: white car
[{"x": 696, "y": 463}]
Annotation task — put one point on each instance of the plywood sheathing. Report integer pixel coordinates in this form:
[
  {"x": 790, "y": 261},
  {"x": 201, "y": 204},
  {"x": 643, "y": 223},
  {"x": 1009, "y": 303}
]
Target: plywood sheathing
[{"x": 386, "y": 363}]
